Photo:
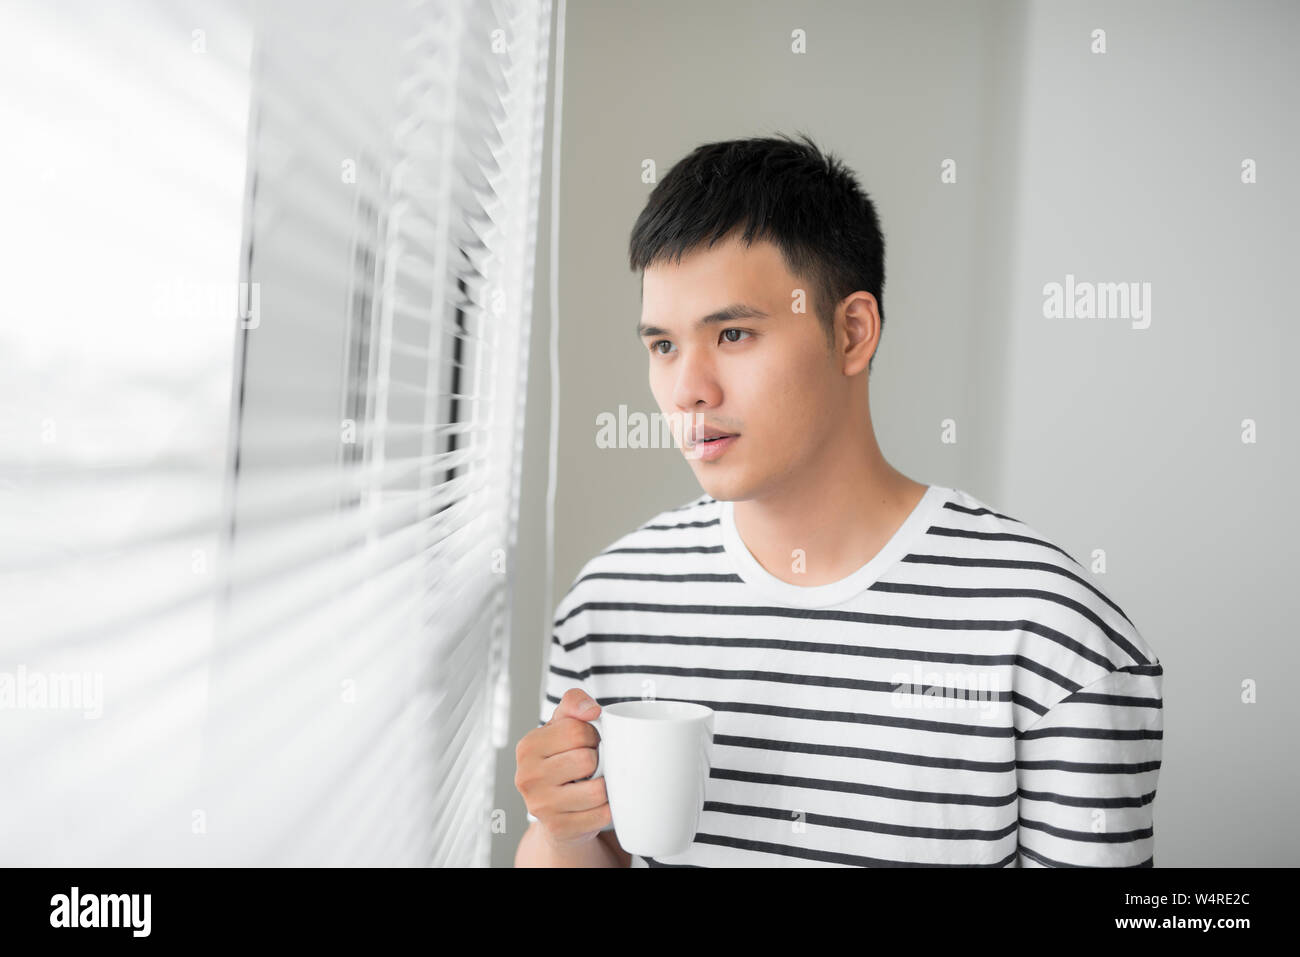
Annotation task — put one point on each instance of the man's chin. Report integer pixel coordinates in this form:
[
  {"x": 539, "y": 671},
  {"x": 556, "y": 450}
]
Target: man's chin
[{"x": 721, "y": 489}]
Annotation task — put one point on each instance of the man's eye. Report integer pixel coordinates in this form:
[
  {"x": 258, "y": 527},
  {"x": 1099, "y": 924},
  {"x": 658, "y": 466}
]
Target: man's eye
[{"x": 654, "y": 346}]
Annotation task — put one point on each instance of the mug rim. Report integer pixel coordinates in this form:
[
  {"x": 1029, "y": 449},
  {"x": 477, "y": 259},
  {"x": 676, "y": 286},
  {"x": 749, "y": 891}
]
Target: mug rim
[{"x": 699, "y": 712}]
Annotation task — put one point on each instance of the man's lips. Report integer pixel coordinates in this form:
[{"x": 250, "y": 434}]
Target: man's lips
[
  {"x": 706, "y": 435},
  {"x": 710, "y": 450}
]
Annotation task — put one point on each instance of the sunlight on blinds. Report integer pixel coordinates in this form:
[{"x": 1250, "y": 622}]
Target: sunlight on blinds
[
  {"x": 123, "y": 220},
  {"x": 262, "y": 389}
]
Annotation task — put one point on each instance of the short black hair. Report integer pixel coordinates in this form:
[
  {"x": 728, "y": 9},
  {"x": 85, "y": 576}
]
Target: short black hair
[{"x": 804, "y": 201}]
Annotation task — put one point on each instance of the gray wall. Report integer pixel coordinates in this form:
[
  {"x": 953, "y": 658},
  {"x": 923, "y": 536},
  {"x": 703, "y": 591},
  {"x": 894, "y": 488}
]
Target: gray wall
[{"x": 1115, "y": 167}]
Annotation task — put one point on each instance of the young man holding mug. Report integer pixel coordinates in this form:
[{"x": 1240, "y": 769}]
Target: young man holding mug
[{"x": 900, "y": 674}]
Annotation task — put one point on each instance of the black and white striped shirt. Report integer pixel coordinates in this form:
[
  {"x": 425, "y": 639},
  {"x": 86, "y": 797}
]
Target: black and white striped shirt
[{"x": 967, "y": 698}]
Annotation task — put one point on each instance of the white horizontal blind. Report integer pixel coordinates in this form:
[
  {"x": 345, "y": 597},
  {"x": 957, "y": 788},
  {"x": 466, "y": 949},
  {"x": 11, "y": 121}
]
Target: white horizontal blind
[
  {"x": 120, "y": 255},
  {"x": 304, "y": 644}
]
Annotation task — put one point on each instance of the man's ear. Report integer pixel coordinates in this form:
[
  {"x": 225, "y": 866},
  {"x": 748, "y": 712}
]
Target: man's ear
[{"x": 859, "y": 332}]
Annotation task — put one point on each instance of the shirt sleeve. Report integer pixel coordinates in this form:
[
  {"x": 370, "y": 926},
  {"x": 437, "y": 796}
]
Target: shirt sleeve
[
  {"x": 1087, "y": 771},
  {"x": 568, "y": 663}
]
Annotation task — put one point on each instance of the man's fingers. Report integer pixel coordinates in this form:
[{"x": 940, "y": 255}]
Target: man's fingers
[{"x": 576, "y": 703}]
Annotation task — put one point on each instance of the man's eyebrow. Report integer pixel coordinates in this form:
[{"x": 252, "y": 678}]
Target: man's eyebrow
[{"x": 737, "y": 310}]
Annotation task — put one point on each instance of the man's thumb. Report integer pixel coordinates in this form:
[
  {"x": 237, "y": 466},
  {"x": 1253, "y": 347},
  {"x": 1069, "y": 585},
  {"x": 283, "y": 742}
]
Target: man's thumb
[{"x": 576, "y": 703}]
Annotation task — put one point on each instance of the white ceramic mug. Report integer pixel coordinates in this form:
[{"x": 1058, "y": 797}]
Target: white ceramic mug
[{"x": 655, "y": 757}]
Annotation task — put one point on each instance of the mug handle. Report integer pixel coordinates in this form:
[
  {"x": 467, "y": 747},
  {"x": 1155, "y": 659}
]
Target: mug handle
[
  {"x": 600, "y": 757},
  {"x": 600, "y": 762}
]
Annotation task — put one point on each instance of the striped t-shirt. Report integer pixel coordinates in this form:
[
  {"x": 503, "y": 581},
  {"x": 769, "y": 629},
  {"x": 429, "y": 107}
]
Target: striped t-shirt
[{"x": 969, "y": 697}]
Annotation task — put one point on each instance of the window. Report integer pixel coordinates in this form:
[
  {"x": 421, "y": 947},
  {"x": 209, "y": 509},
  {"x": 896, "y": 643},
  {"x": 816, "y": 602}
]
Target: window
[{"x": 262, "y": 415}]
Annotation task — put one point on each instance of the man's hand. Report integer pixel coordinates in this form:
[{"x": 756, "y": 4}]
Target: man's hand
[{"x": 550, "y": 763}]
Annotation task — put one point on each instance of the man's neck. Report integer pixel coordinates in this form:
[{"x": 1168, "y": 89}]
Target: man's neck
[{"x": 833, "y": 524}]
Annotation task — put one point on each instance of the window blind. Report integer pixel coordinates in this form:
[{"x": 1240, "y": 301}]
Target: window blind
[{"x": 272, "y": 518}]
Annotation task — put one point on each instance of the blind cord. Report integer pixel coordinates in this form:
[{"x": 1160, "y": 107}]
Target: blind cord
[{"x": 557, "y": 110}]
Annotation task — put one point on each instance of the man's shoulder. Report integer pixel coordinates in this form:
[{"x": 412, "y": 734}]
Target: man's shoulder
[
  {"x": 1002, "y": 554},
  {"x": 666, "y": 529},
  {"x": 673, "y": 531},
  {"x": 968, "y": 514},
  {"x": 994, "y": 539}
]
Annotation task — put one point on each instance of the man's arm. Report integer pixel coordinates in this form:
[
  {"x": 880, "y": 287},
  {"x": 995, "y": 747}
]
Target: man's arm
[
  {"x": 536, "y": 851},
  {"x": 1087, "y": 772}
]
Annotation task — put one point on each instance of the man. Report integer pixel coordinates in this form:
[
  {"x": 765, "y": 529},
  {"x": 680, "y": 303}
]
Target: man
[{"x": 900, "y": 675}]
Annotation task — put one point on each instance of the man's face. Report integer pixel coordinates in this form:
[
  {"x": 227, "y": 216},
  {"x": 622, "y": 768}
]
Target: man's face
[{"x": 772, "y": 381}]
